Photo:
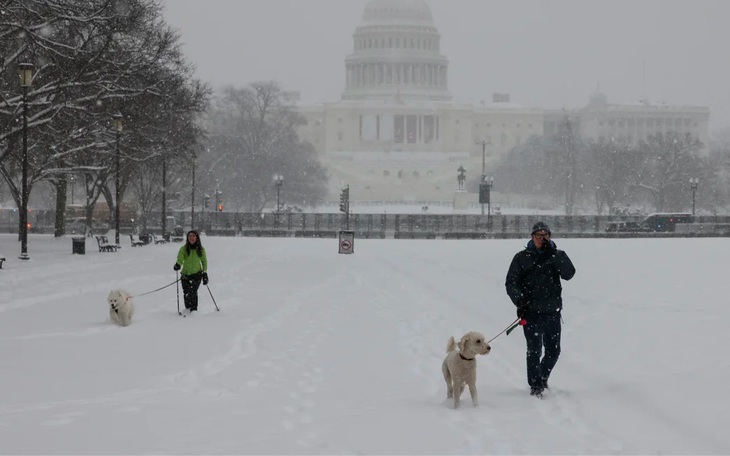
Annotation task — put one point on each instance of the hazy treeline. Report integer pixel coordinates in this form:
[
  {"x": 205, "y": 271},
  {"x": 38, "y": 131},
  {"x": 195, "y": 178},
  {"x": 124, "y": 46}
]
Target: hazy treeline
[{"x": 609, "y": 174}]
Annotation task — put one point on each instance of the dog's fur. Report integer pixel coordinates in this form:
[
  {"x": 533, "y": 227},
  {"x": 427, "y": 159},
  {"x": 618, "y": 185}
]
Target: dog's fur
[
  {"x": 458, "y": 371},
  {"x": 121, "y": 307}
]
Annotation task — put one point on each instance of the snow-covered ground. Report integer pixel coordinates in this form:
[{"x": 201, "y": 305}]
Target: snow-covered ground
[{"x": 318, "y": 353}]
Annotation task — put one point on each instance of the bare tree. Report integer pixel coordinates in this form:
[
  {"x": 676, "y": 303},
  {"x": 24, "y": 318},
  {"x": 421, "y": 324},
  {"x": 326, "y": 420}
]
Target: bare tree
[
  {"x": 668, "y": 162},
  {"x": 253, "y": 137}
]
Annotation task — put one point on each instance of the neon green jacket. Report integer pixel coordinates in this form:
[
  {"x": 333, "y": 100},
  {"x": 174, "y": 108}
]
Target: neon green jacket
[{"x": 192, "y": 264}]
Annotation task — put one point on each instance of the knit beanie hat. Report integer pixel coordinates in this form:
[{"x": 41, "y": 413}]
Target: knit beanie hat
[{"x": 540, "y": 226}]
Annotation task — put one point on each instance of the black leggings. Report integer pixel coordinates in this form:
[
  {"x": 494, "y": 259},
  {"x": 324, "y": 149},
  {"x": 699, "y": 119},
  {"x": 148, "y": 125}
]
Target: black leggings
[{"x": 190, "y": 285}]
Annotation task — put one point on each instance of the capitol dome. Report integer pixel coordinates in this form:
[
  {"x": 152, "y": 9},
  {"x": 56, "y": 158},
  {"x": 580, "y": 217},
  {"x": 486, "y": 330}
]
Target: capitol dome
[
  {"x": 379, "y": 11},
  {"x": 396, "y": 54}
]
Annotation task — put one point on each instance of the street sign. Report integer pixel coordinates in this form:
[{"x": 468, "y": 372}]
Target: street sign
[{"x": 347, "y": 241}]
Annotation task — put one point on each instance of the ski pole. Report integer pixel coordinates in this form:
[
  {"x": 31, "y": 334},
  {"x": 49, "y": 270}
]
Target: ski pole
[
  {"x": 509, "y": 328},
  {"x": 211, "y": 293},
  {"x": 211, "y": 297},
  {"x": 178, "y": 292}
]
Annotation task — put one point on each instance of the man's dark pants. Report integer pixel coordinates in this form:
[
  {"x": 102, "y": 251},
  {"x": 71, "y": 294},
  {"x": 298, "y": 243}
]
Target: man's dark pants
[
  {"x": 541, "y": 330},
  {"x": 190, "y": 285}
]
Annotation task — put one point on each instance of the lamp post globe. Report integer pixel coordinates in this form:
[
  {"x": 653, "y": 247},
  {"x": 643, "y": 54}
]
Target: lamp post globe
[{"x": 25, "y": 72}]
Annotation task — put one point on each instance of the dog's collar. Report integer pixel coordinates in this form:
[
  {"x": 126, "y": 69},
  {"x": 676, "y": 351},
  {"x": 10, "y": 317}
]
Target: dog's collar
[{"x": 465, "y": 358}]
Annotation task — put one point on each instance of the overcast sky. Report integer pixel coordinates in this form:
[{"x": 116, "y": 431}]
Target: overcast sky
[{"x": 545, "y": 53}]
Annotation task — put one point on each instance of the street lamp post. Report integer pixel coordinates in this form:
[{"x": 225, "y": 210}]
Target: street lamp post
[
  {"x": 118, "y": 125},
  {"x": 278, "y": 181},
  {"x": 73, "y": 184},
  {"x": 484, "y": 172},
  {"x": 25, "y": 71},
  {"x": 693, "y": 183},
  {"x": 484, "y": 155},
  {"x": 488, "y": 182},
  {"x": 163, "y": 222},
  {"x": 192, "y": 196}
]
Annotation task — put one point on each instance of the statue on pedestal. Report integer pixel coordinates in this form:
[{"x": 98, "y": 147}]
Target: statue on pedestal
[{"x": 461, "y": 177}]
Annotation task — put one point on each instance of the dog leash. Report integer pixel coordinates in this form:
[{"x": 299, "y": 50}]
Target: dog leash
[
  {"x": 161, "y": 288},
  {"x": 508, "y": 329}
]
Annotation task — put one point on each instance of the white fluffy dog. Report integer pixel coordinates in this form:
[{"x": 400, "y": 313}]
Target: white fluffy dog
[
  {"x": 121, "y": 307},
  {"x": 460, "y": 367}
]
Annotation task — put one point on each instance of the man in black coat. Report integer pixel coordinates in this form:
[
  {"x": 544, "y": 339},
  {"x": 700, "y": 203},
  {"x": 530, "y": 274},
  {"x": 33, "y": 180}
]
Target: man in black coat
[{"x": 533, "y": 285}]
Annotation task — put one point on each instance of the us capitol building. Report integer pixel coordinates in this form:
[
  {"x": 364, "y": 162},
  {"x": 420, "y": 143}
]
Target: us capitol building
[{"x": 396, "y": 136}]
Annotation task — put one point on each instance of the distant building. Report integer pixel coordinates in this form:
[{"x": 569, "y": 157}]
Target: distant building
[
  {"x": 395, "y": 136},
  {"x": 632, "y": 123}
]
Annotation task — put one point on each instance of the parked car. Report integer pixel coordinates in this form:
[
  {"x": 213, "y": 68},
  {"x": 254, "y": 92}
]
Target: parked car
[
  {"x": 666, "y": 221},
  {"x": 624, "y": 226},
  {"x": 77, "y": 225}
]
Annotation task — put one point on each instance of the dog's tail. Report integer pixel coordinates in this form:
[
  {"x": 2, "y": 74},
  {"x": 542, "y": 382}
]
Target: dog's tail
[{"x": 451, "y": 346}]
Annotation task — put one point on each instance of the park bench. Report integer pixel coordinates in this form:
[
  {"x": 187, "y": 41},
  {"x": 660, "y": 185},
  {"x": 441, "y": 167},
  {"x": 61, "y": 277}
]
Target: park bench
[
  {"x": 158, "y": 240},
  {"x": 136, "y": 241},
  {"x": 104, "y": 245}
]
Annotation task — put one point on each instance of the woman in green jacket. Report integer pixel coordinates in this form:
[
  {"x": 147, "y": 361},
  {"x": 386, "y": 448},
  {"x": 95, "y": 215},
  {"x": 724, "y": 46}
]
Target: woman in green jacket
[{"x": 191, "y": 258}]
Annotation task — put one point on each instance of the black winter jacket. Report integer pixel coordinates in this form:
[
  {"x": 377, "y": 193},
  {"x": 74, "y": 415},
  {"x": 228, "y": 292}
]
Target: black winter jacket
[{"x": 533, "y": 278}]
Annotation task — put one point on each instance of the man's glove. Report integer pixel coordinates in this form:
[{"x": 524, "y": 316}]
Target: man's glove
[
  {"x": 550, "y": 248},
  {"x": 176, "y": 267},
  {"x": 205, "y": 278}
]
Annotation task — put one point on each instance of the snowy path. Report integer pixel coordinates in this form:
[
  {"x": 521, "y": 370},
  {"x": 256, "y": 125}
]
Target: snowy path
[{"x": 319, "y": 353}]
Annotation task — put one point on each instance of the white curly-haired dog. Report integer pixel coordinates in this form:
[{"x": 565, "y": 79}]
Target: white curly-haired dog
[
  {"x": 121, "y": 307},
  {"x": 460, "y": 367}
]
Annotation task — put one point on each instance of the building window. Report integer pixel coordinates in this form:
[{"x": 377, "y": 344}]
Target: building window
[
  {"x": 399, "y": 129},
  {"x": 411, "y": 128},
  {"x": 429, "y": 129}
]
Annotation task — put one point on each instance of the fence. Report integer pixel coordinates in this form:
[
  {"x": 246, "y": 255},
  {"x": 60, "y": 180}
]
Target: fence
[{"x": 399, "y": 226}]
